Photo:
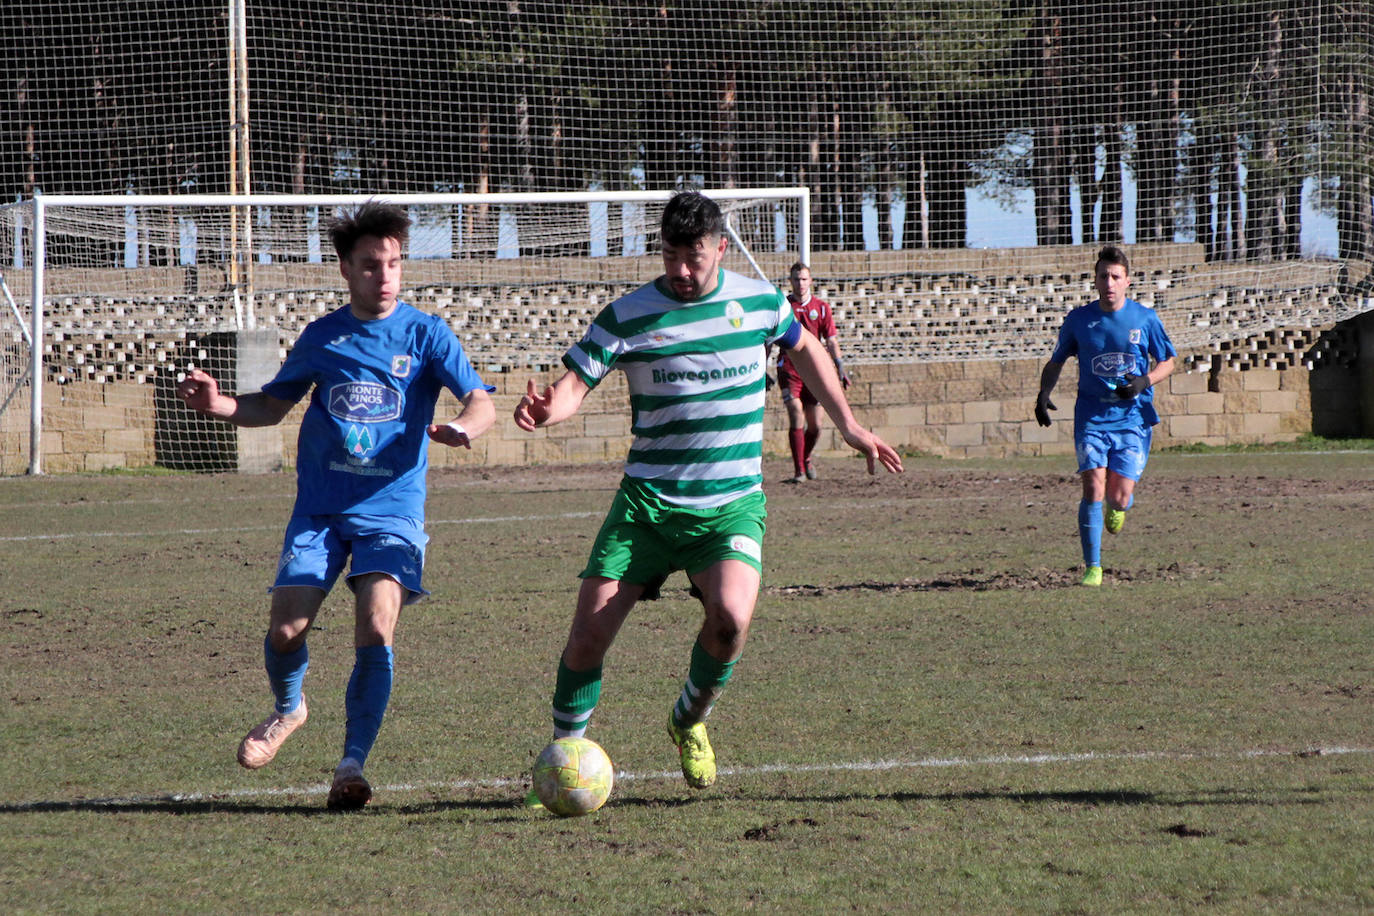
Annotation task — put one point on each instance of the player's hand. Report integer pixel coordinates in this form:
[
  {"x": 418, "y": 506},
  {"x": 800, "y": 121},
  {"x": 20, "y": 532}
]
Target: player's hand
[
  {"x": 534, "y": 408},
  {"x": 447, "y": 434},
  {"x": 874, "y": 450},
  {"x": 1043, "y": 406},
  {"x": 199, "y": 390},
  {"x": 1134, "y": 385},
  {"x": 844, "y": 381}
]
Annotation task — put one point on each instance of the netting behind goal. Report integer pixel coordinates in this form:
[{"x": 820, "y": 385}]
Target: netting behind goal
[
  {"x": 137, "y": 290},
  {"x": 1238, "y": 124}
]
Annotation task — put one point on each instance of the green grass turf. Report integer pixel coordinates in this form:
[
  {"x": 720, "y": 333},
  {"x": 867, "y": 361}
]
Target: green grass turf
[{"x": 929, "y": 717}]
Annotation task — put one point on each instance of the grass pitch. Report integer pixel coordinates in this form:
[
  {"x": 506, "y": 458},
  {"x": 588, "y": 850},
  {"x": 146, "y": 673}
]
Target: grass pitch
[{"x": 930, "y": 715}]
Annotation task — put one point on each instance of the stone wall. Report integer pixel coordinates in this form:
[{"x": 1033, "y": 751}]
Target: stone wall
[
  {"x": 108, "y": 400},
  {"x": 957, "y": 410}
]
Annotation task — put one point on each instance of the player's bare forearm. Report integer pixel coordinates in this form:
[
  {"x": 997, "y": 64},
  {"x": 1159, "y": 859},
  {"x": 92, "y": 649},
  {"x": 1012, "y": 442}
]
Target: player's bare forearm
[
  {"x": 201, "y": 393},
  {"x": 832, "y": 347},
  {"x": 476, "y": 417},
  {"x": 1161, "y": 371},
  {"x": 478, "y": 413},
  {"x": 817, "y": 370},
  {"x": 258, "y": 409},
  {"x": 554, "y": 404},
  {"x": 813, "y": 362}
]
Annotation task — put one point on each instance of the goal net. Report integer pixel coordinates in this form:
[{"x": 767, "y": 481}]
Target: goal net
[
  {"x": 134, "y": 290},
  {"x": 1242, "y": 125}
]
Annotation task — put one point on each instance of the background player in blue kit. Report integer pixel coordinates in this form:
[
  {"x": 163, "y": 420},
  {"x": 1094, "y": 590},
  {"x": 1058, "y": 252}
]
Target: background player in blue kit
[
  {"x": 1115, "y": 339},
  {"x": 376, "y": 367}
]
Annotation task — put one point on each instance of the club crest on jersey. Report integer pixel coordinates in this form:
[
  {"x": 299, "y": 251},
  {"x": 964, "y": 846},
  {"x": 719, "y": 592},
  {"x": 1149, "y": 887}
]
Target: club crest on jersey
[
  {"x": 358, "y": 441},
  {"x": 813, "y": 314},
  {"x": 1135, "y": 335},
  {"x": 735, "y": 313},
  {"x": 364, "y": 402},
  {"x": 400, "y": 366}
]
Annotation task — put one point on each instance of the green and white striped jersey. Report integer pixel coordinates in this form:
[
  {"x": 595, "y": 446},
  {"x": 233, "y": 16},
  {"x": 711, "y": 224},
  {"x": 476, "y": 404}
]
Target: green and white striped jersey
[{"x": 696, "y": 378}]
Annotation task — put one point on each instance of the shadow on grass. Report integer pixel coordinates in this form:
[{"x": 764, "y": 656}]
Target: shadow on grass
[
  {"x": 978, "y": 580},
  {"x": 1086, "y": 797},
  {"x": 228, "y": 806}
]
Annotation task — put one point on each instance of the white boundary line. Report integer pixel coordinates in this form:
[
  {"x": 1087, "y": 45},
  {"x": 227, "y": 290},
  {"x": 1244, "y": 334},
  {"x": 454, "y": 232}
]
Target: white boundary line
[
  {"x": 491, "y": 519},
  {"x": 498, "y": 519},
  {"x": 432, "y": 522},
  {"x": 866, "y": 766}
]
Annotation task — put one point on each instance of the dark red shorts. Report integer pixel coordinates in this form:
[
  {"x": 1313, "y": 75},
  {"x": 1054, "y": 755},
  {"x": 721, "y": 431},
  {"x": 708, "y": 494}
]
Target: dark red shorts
[{"x": 791, "y": 385}]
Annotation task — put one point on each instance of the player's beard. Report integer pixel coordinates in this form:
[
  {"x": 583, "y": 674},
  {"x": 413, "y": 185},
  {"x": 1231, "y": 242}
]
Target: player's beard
[{"x": 686, "y": 288}]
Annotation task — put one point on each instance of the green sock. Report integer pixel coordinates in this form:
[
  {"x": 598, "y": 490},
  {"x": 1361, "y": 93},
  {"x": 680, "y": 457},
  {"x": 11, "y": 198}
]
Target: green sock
[
  {"x": 574, "y": 697},
  {"x": 706, "y": 680}
]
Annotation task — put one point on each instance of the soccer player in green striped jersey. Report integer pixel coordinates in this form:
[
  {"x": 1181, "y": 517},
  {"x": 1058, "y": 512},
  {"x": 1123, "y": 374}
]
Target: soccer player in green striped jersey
[{"x": 692, "y": 346}]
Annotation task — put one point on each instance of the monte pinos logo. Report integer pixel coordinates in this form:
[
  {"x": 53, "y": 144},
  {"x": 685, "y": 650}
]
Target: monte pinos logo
[{"x": 364, "y": 402}]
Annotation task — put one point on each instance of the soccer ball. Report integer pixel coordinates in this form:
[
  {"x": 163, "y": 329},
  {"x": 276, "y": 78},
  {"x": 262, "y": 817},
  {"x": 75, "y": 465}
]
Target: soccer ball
[{"x": 573, "y": 777}]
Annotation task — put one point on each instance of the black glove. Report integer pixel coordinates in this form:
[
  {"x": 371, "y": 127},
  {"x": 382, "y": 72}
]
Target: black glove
[
  {"x": 1134, "y": 385},
  {"x": 1043, "y": 406}
]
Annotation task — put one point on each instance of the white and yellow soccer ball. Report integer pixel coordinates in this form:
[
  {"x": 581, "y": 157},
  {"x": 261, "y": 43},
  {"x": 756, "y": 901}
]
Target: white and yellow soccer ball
[{"x": 573, "y": 777}]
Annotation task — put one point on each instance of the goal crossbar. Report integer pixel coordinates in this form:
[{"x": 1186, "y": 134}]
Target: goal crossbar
[{"x": 36, "y": 212}]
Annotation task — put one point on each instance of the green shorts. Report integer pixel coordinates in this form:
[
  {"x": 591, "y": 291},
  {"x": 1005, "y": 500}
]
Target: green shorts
[{"x": 644, "y": 539}]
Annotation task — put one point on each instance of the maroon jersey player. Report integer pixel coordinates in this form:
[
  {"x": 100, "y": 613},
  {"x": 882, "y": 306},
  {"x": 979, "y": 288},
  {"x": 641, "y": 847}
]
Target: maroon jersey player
[{"x": 803, "y": 411}]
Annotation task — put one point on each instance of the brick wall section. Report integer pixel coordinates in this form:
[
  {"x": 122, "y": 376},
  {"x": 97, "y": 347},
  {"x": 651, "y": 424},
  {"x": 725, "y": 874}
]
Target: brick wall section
[{"x": 87, "y": 427}]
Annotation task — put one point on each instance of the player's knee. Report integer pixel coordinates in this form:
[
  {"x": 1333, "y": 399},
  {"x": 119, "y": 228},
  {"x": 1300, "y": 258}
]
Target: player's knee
[
  {"x": 729, "y": 635},
  {"x": 585, "y": 649},
  {"x": 588, "y": 642},
  {"x": 286, "y": 638},
  {"x": 725, "y": 633}
]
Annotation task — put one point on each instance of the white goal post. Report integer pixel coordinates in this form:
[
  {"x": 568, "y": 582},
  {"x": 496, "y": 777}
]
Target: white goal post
[{"x": 126, "y": 290}]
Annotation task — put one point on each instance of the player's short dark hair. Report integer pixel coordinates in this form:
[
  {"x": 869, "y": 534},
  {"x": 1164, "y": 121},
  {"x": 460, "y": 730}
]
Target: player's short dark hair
[
  {"x": 1111, "y": 254},
  {"x": 799, "y": 267},
  {"x": 383, "y": 221},
  {"x": 689, "y": 217}
]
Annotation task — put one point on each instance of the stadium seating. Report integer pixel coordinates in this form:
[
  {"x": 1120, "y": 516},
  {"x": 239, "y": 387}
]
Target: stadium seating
[{"x": 1220, "y": 316}]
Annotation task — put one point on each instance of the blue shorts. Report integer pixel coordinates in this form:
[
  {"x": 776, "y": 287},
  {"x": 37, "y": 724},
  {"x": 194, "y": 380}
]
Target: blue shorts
[
  {"x": 316, "y": 547},
  {"x": 1121, "y": 451}
]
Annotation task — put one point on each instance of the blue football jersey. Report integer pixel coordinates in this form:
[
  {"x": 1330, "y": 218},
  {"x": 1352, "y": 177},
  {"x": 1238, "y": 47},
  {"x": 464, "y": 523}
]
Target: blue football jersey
[
  {"x": 1111, "y": 346},
  {"x": 362, "y": 446}
]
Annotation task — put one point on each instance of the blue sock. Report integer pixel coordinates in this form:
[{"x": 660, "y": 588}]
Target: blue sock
[
  {"x": 285, "y": 673},
  {"x": 369, "y": 690},
  {"x": 1090, "y": 531}
]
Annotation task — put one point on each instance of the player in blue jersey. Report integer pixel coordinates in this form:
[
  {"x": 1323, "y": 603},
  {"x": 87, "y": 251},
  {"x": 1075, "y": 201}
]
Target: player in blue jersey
[
  {"x": 374, "y": 370},
  {"x": 692, "y": 347},
  {"x": 1123, "y": 352}
]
